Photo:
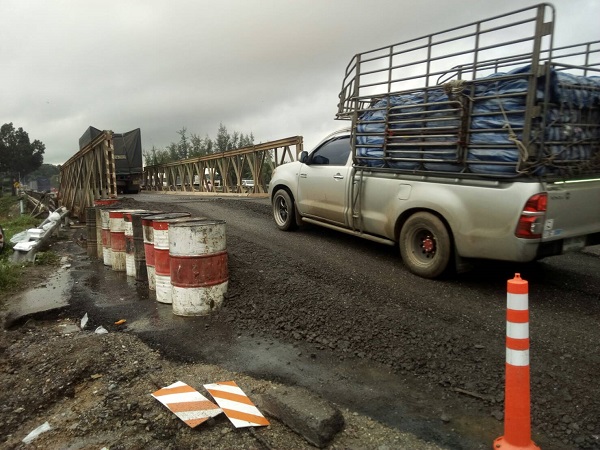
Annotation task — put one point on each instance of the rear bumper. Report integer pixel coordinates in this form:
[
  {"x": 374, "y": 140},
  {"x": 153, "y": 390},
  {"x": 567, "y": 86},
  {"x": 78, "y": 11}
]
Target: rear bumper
[{"x": 560, "y": 246}]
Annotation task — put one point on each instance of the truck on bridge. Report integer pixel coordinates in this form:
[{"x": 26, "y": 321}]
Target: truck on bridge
[
  {"x": 482, "y": 141},
  {"x": 127, "y": 155}
]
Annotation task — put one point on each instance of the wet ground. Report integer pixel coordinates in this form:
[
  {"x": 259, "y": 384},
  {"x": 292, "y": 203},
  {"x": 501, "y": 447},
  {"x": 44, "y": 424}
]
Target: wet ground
[
  {"x": 370, "y": 388},
  {"x": 341, "y": 317}
]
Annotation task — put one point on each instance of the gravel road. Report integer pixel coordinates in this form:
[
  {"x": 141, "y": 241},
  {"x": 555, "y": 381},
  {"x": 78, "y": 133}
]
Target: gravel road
[
  {"x": 342, "y": 317},
  {"x": 434, "y": 348}
]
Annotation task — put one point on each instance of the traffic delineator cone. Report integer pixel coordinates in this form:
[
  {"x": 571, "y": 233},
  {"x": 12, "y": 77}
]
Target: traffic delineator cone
[{"x": 517, "y": 408}]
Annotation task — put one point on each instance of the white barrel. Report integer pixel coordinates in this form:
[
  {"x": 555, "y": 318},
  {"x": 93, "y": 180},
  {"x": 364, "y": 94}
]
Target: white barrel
[
  {"x": 148, "y": 232},
  {"x": 100, "y": 248},
  {"x": 129, "y": 254},
  {"x": 160, "y": 230},
  {"x": 117, "y": 240},
  {"x": 198, "y": 259},
  {"x": 106, "y": 249},
  {"x": 117, "y": 237}
]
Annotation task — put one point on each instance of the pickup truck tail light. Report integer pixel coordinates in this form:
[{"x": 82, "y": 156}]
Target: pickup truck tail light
[{"x": 531, "y": 222}]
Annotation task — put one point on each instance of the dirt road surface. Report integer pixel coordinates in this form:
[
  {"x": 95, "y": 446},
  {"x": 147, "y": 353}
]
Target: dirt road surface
[{"x": 410, "y": 362}]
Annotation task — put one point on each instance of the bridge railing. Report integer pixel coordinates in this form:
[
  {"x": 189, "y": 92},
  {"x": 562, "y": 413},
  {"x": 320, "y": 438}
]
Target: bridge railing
[
  {"x": 244, "y": 170},
  {"x": 88, "y": 175}
]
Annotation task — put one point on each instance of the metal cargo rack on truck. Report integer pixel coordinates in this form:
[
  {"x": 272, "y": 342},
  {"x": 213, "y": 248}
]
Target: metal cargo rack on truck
[{"x": 492, "y": 99}]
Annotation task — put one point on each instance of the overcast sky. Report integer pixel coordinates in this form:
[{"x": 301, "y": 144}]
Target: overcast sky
[{"x": 270, "y": 67}]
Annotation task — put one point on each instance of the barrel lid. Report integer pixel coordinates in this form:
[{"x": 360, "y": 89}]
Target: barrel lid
[
  {"x": 129, "y": 213},
  {"x": 177, "y": 220},
  {"x": 199, "y": 221},
  {"x": 117, "y": 212},
  {"x": 146, "y": 213},
  {"x": 164, "y": 216}
]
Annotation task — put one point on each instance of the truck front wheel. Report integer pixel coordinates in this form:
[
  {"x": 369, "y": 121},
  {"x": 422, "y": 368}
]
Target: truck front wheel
[
  {"x": 425, "y": 245},
  {"x": 284, "y": 211}
]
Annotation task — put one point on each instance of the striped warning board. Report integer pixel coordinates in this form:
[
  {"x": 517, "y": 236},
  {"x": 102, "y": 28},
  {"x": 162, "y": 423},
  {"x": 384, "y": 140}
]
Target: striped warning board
[
  {"x": 187, "y": 403},
  {"x": 236, "y": 405}
]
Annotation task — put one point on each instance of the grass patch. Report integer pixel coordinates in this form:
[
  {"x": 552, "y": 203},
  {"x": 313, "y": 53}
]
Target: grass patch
[
  {"x": 10, "y": 275},
  {"x": 13, "y": 222}
]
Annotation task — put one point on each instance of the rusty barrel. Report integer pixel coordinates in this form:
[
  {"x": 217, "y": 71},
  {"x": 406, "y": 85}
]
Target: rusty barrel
[
  {"x": 106, "y": 201},
  {"x": 90, "y": 225},
  {"x": 198, "y": 260},
  {"x": 135, "y": 258},
  {"x": 157, "y": 253},
  {"x": 106, "y": 244},
  {"x": 148, "y": 233},
  {"x": 99, "y": 248},
  {"x": 129, "y": 250},
  {"x": 117, "y": 238}
]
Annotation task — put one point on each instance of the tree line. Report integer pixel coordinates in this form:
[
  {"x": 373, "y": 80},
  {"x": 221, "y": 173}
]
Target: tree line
[
  {"x": 193, "y": 146},
  {"x": 18, "y": 155}
]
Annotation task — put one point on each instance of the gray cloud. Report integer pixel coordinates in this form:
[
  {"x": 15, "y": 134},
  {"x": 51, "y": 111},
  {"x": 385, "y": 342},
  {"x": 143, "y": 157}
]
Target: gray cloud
[{"x": 271, "y": 67}]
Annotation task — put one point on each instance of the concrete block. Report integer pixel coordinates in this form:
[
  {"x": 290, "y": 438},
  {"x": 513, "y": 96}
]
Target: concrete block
[{"x": 313, "y": 418}]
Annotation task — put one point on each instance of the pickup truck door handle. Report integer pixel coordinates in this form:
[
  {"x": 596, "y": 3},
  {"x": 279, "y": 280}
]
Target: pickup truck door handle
[
  {"x": 338, "y": 176},
  {"x": 303, "y": 175}
]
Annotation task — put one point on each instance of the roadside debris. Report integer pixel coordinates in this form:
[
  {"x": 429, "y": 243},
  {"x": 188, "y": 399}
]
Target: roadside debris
[
  {"x": 313, "y": 418},
  {"x": 101, "y": 330},
  {"x": 84, "y": 321},
  {"x": 187, "y": 403},
  {"x": 30, "y": 241},
  {"x": 120, "y": 322},
  {"x": 35, "y": 433},
  {"x": 236, "y": 405}
]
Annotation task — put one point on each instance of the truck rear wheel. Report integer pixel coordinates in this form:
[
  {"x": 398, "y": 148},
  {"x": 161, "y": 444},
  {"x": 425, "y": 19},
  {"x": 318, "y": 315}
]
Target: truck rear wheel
[
  {"x": 425, "y": 245},
  {"x": 284, "y": 211}
]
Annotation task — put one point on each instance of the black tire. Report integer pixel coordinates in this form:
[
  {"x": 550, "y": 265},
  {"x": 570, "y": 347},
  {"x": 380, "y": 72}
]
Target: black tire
[
  {"x": 425, "y": 245},
  {"x": 284, "y": 211},
  {"x": 1, "y": 239}
]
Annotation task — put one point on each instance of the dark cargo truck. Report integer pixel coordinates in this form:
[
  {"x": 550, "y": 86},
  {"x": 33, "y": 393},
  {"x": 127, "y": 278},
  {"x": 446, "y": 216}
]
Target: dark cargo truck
[{"x": 127, "y": 154}]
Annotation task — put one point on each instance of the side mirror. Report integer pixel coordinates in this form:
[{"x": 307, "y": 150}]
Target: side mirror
[{"x": 303, "y": 157}]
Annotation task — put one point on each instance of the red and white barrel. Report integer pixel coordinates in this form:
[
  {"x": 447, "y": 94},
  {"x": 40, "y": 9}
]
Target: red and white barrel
[
  {"x": 100, "y": 248},
  {"x": 130, "y": 266},
  {"x": 199, "y": 273},
  {"x": 162, "y": 268},
  {"x": 148, "y": 233},
  {"x": 106, "y": 244},
  {"x": 117, "y": 238},
  {"x": 139, "y": 252},
  {"x": 102, "y": 204}
]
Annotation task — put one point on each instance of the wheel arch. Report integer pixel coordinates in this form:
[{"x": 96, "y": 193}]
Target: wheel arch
[
  {"x": 285, "y": 188},
  {"x": 401, "y": 220},
  {"x": 281, "y": 186}
]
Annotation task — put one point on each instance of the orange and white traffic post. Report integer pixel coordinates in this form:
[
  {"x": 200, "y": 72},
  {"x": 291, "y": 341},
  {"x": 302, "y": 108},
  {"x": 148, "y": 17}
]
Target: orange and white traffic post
[{"x": 517, "y": 402}]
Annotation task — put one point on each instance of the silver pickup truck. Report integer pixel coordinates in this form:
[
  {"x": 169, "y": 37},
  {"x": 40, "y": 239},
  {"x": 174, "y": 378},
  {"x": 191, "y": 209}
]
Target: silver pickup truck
[
  {"x": 435, "y": 220},
  {"x": 499, "y": 159}
]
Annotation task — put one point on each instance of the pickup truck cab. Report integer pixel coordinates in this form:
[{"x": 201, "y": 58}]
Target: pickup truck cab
[{"x": 437, "y": 222}]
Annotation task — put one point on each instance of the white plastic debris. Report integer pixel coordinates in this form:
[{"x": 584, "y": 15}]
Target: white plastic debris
[
  {"x": 19, "y": 237},
  {"x": 35, "y": 433},
  {"x": 84, "y": 321},
  {"x": 35, "y": 233},
  {"x": 101, "y": 330},
  {"x": 25, "y": 246}
]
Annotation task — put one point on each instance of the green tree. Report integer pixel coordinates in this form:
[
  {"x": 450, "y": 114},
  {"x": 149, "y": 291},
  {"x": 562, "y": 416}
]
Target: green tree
[
  {"x": 184, "y": 146},
  {"x": 18, "y": 155},
  {"x": 223, "y": 139},
  {"x": 155, "y": 156},
  {"x": 49, "y": 171}
]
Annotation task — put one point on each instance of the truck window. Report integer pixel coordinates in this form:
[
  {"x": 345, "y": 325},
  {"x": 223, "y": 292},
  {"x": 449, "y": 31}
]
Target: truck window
[{"x": 332, "y": 153}]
